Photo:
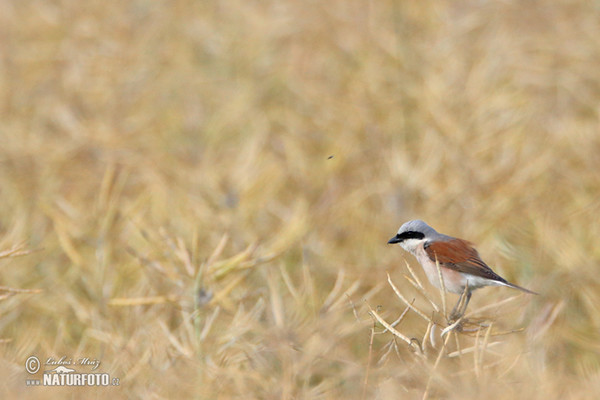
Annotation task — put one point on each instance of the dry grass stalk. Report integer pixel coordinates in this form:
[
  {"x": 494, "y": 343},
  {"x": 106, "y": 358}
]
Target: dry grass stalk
[{"x": 460, "y": 330}]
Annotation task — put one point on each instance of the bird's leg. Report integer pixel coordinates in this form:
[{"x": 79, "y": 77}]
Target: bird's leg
[
  {"x": 461, "y": 306},
  {"x": 464, "y": 308},
  {"x": 454, "y": 312}
]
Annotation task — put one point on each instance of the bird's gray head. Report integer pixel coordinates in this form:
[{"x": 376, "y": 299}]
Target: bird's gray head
[{"x": 412, "y": 233}]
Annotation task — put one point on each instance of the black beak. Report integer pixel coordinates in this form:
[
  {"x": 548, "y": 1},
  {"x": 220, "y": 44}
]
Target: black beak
[{"x": 394, "y": 240}]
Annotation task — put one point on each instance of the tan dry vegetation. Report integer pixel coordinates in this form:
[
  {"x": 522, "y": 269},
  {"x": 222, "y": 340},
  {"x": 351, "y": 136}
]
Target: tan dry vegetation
[{"x": 167, "y": 167}]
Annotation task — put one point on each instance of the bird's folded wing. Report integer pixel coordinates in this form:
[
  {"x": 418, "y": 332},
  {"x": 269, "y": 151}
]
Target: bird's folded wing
[{"x": 461, "y": 256}]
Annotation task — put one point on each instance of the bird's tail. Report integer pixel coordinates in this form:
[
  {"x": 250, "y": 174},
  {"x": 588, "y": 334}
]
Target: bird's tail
[{"x": 512, "y": 285}]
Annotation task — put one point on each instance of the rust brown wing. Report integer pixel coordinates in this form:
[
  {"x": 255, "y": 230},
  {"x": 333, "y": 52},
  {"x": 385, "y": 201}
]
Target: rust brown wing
[{"x": 461, "y": 256}]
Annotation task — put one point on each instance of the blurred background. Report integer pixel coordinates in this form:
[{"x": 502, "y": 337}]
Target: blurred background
[{"x": 207, "y": 189}]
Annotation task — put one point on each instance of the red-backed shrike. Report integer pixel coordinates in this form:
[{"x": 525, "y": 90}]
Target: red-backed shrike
[{"x": 461, "y": 267}]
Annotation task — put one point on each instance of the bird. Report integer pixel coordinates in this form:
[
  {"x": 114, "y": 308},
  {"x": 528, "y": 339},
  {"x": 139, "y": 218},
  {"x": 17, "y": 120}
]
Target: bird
[{"x": 461, "y": 267}]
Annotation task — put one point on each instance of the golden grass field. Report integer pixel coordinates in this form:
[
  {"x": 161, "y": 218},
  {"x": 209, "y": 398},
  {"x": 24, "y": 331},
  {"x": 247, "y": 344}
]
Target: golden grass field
[{"x": 199, "y": 195}]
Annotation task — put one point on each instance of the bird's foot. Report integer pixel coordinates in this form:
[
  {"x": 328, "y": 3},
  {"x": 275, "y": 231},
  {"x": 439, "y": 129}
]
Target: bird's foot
[
  {"x": 455, "y": 316},
  {"x": 454, "y": 325}
]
